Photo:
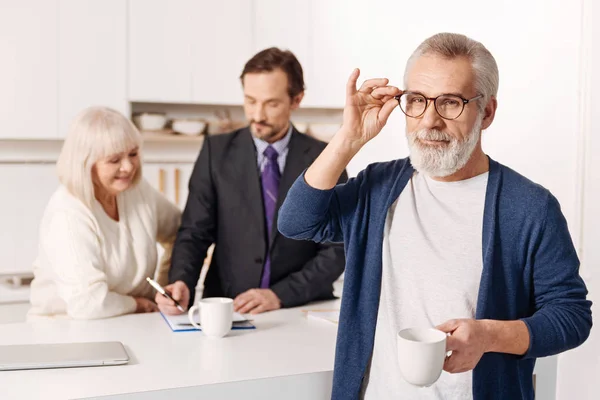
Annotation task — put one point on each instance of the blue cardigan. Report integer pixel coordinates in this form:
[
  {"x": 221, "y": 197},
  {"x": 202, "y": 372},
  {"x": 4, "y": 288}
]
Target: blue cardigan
[{"x": 530, "y": 270}]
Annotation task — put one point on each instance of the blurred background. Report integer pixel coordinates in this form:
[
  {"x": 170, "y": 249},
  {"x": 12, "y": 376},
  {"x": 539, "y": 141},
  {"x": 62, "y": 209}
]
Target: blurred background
[{"x": 173, "y": 67}]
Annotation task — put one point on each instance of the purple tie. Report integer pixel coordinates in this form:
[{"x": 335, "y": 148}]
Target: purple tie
[{"x": 270, "y": 188}]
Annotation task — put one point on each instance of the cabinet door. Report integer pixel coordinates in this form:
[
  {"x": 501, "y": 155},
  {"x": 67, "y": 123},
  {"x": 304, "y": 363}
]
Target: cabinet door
[
  {"x": 286, "y": 24},
  {"x": 222, "y": 44},
  {"x": 92, "y": 61},
  {"x": 28, "y": 44},
  {"x": 181, "y": 176},
  {"x": 155, "y": 175},
  {"x": 335, "y": 34},
  {"x": 160, "y": 45},
  {"x": 30, "y": 187},
  {"x": 170, "y": 179}
]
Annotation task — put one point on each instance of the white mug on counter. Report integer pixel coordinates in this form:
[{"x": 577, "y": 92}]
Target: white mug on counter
[
  {"x": 421, "y": 355},
  {"x": 216, "y": 316}
]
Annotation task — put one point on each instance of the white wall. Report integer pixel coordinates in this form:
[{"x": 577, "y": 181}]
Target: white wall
[{"x": 579, "y": 370}]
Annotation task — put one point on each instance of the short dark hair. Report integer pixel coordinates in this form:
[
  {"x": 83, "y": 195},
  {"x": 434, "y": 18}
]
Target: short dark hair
[{"x": 272, "y": 58}]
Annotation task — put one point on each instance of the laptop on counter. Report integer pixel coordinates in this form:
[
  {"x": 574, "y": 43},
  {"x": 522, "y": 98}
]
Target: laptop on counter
[{"x": 61, "y": 355}]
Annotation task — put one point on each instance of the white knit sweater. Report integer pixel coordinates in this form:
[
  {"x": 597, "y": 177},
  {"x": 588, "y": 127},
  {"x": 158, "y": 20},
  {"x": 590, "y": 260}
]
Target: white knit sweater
[{"x": 91, "y": 266}]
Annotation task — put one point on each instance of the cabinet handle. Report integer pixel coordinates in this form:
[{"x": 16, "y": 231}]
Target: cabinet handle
[
  {"x": 161, "y": 180},
  {"x": 177, "y": 173}
]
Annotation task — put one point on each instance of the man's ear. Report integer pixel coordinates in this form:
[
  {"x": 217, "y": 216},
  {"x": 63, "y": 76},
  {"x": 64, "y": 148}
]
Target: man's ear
[
  {"x": 296, "y": 100},
  {"x": 489, "y": 113}
]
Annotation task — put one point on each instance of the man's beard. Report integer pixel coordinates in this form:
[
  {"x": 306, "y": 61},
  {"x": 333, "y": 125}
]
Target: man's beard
[
  {"x": 267, "y": 132},
  {"x": 441, "y": 160}
]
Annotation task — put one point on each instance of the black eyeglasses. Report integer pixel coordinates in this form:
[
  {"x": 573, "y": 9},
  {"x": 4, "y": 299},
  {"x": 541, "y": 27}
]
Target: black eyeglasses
[{"x": 448, "y": 106}]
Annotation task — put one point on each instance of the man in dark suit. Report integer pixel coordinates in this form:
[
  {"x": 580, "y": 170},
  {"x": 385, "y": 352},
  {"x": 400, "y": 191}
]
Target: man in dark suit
[{"x": 238, "y": 184}]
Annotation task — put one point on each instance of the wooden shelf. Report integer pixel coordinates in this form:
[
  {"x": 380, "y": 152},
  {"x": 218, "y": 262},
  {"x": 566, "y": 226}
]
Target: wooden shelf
[{"x": 167, "y": 136}]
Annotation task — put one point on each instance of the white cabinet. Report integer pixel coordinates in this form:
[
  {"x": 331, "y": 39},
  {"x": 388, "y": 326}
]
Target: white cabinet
[
  {"x": 335, "y": 39},
  {"x": 186, "y": 51},
  {"x": 222, "y": 43},
  {"x": 59, "y": 56},
  {"x": 92, "y": 59},
  {"x": 160, "y": 49},
  {"x": 28, "y": 69},
  {"x": 27, "y": 189},
  {"x": 287, "y": 25},
  {"x": 170, "y": 179}
]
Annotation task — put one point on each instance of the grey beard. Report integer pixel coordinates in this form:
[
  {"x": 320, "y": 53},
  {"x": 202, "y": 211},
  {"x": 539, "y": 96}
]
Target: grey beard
[{"x": 442, "y": 161}]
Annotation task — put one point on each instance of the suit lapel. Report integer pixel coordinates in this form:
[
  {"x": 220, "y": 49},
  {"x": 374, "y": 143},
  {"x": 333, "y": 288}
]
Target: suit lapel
[
  {"x": 243, "y": 156},
  {"x": 297, "y": 160}
]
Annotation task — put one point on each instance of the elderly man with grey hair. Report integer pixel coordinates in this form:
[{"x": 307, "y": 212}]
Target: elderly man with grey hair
[{"x": 447, "y": 237}]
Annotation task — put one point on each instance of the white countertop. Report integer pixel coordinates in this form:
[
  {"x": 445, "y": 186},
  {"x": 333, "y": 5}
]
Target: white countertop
[
  {"x": 10, "y": 294},
  {"x": 284, "y": 343}
]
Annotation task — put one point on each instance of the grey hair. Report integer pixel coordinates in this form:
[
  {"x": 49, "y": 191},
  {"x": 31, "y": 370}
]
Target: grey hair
[{"x": 453, "y": 45}]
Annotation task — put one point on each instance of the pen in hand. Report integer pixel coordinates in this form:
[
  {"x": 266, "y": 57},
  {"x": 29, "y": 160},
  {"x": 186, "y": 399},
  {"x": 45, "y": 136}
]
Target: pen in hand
[{"x": 165, "y": 293}]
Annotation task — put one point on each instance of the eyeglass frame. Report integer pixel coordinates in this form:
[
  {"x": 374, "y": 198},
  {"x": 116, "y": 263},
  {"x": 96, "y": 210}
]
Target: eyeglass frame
[{"x": 434, "y": 99}]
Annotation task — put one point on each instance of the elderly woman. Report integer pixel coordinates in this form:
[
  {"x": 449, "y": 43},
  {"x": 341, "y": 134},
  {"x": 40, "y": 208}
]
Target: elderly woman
[{"x": 99, "y": 231}]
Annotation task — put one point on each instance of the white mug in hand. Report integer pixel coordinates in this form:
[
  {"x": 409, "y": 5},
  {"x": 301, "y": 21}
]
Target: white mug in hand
[
  {"x": 216, "y": 316},
  {"x": 421, "y": 355}
]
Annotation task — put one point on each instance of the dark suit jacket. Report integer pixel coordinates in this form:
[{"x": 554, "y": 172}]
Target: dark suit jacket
[{"x": 225, "y": 207}]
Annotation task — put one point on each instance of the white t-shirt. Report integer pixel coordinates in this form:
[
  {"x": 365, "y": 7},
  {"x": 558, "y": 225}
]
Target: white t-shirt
[
  {"x": 91, "y": 266},
  {"x": 432, "y": 264}
]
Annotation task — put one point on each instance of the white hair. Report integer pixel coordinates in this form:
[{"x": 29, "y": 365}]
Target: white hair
[
  {"x": 454, "y": 45},
  {"x": 94, "y": 134},
  {"x": 442, "y": 161}
]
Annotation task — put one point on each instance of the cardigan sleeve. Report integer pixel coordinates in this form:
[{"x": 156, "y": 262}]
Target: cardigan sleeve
[
  {"x": 313, "y": 214},
  {"x": 73, "y": 249},
  {"x": 563, "y": 318}
]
